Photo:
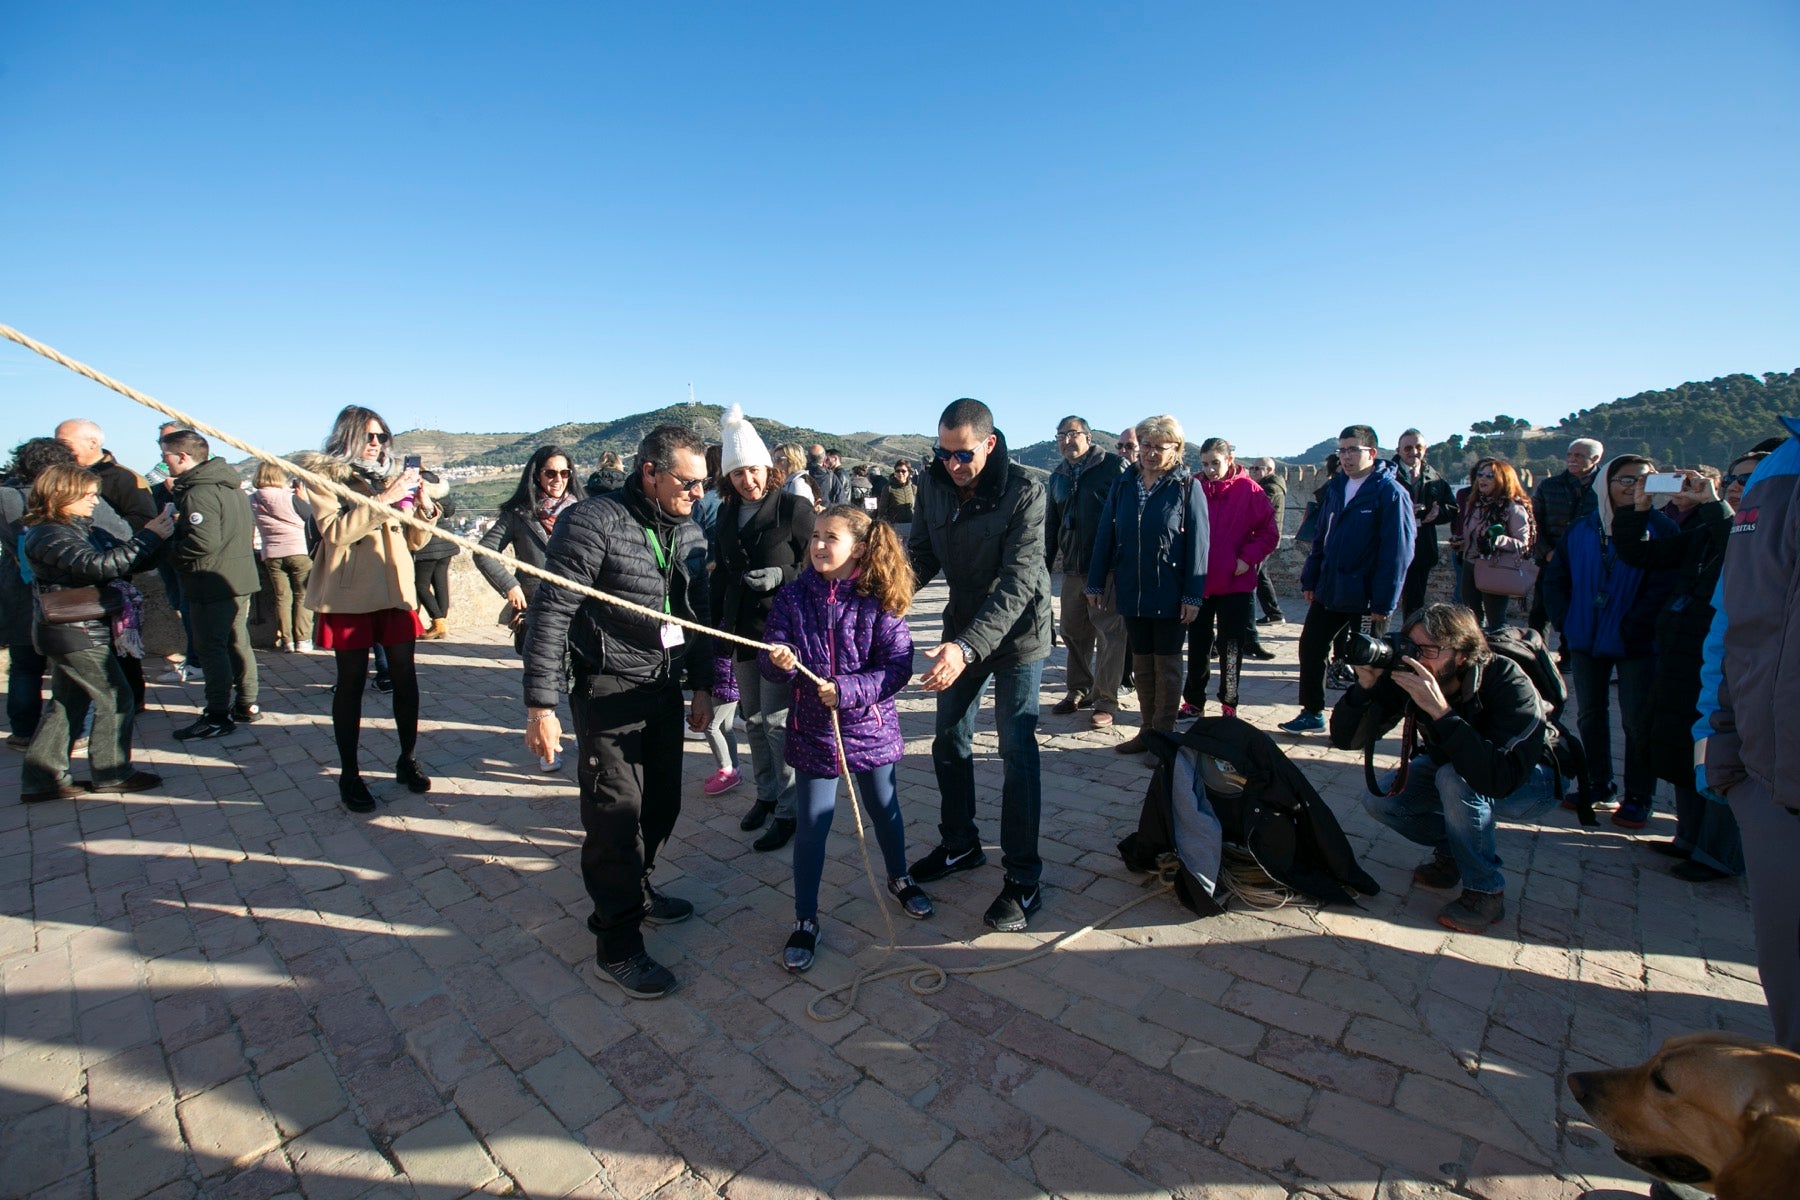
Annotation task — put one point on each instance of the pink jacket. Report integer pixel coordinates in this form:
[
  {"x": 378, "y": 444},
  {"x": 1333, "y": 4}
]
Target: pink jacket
[{"x": 1243, "y": 527}]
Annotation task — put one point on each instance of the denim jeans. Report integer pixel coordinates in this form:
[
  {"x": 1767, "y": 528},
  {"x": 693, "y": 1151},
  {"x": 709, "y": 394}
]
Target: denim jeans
[
  {"x": 1439, "y": 810},
  {"x": 81, "y": 680},
  {"x": 764, "y": 705},
  {"x": 953, "y": 757},
  {"x": 817, "y": 804},
  {"x": 25, "y": 671}
]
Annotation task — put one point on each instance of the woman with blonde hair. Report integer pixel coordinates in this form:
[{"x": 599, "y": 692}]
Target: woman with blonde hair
[
  {"x": 363, "y": 588},
  {"x": 790, "y": 461},
  {"x": 286, "y": 565},
  {"x": 67, "y": 560},
  {"x": 1152, "y": 542}
]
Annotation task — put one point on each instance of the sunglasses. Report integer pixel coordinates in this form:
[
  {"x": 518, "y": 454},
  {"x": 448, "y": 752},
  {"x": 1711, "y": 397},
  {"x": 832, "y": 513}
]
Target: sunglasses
[
  {"x": 964, "y": 457},
  {"x": 548, "y": 473},
  {"x": 382, "y": 438},
  {"x": 1128, "y": 445},
  {"x": 688, "y": 485},
  {"x": 1731, "y": 479},
  {"x": 1484, "y": 475}
]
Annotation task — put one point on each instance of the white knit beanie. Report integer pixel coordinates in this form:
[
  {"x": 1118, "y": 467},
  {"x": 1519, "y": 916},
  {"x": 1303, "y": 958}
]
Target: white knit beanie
[{"x": 739, "y": 444}]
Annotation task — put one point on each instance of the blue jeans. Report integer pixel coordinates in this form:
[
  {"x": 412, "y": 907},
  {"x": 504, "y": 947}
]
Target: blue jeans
[
  {"x": 25, "y": 671},
  {"x": 953, "y": 757},
  {"x": 764, "y": 704},
  {"x": 817, "y": 798},
  {"x": 1439, "y": 810}
]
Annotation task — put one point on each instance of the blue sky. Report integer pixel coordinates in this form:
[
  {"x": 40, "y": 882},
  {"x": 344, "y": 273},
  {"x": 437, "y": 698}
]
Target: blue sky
[{"x": 1267, "y": 219}]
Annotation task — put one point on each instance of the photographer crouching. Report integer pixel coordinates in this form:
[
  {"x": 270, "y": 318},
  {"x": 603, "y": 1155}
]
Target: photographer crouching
[{"x": 1475, "y": 745}]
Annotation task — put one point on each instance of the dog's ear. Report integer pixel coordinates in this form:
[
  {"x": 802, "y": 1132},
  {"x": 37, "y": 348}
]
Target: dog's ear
[{"x": 1765, "y": 1168}]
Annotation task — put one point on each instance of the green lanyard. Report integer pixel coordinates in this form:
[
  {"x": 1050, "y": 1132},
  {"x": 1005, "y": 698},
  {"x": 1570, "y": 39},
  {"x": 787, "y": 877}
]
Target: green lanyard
[{"x": 662, "y": 564}]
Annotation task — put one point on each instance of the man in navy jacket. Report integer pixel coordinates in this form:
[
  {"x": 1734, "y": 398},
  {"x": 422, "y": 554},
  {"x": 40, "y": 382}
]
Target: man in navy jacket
[{"x": 1357, "y": 564}]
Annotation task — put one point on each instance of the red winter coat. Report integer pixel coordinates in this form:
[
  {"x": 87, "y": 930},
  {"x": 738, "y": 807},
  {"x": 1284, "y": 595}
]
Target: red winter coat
[{"x": 1243, "y": 527}]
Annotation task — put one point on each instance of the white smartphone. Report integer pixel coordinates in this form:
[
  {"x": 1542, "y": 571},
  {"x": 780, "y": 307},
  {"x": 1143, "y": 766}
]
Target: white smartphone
[{"x": 1663, "y": 483}]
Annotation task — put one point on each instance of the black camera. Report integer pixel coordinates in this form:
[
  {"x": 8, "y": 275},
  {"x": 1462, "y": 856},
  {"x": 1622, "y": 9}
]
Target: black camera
[{"x": 1382, "y": 653}]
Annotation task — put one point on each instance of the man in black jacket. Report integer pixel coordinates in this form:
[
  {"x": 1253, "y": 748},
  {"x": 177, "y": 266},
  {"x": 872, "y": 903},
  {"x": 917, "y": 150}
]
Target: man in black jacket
[
  {"x": 1482, "y": 749},
  {"x": 639, "y": 544},
  {"x": 1558, "y": 503},
  {"x": 214, "y": 552},
  {"x": 1076, "y": 492},
  {"x": 980, "y": 521},
  {"x": 1434, "y": 504}
]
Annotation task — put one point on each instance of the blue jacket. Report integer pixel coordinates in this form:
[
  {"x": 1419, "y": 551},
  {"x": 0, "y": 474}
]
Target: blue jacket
[
  {"x": 1604, "y": 607},
  {"x": 1157, "y": 557},
  {"x": 1359, "y": 558},
  {"x": 1748, "y": 684}
]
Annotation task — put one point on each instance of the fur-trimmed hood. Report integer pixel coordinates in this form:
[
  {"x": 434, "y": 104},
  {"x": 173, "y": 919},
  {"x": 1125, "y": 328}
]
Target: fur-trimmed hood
[{"x": 340, "y": 470}]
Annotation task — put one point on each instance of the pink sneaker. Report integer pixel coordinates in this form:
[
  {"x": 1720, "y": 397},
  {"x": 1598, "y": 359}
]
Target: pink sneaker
[{"x": 721, "y": 781}]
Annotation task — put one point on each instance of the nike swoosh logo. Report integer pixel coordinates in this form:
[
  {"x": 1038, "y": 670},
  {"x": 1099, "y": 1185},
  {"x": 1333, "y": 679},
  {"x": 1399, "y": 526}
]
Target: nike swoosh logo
[{"x": 951, "y": 862}]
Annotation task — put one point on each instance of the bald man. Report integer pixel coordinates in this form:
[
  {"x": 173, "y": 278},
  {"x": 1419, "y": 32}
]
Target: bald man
[{"x": 120, "y": 486}]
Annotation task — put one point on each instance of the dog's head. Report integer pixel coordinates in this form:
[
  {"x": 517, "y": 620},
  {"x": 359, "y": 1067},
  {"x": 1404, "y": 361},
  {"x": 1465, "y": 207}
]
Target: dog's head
[{"x": 1712, "y": 1110}]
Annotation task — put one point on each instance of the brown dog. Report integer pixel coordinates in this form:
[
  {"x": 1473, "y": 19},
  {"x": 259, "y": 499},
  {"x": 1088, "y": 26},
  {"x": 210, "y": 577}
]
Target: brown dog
[{"x": 1713, "y": 1110}]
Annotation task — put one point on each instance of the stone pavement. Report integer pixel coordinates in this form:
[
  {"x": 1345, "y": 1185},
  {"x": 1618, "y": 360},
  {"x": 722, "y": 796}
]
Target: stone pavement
[{"x": 232, "y": 987}]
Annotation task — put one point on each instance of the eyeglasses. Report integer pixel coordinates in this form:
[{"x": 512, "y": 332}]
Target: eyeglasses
[
  {"x": 548, "y": 473},
  {"x": 1426, "y": 651},
  {"x": 1070, "y": 435},
  {"x": 1343, "y": 450},
  {"x": 964, "y": 457},
  {"x": 379, "y": 438},
  {"x": 1158, "y": 447}
]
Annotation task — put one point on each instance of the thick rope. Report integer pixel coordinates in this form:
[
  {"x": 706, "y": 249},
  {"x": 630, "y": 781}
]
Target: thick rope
[{"x": 923, "y": 980}]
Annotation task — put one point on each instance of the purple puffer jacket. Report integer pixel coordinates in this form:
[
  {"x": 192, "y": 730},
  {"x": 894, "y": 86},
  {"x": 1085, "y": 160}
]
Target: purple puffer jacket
[{"x": 866, "y": 651}]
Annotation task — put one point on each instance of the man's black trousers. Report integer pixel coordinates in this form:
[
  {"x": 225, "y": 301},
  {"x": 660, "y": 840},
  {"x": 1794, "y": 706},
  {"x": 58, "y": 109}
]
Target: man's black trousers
[{"x": 630, "y": 775}]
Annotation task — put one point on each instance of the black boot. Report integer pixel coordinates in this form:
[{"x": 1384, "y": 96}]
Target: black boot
[
  {"x": 759, "y": 812},
  {"x": 780, "y": 830}
]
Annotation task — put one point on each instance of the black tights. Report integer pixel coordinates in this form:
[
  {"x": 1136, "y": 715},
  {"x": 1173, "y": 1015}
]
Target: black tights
[{"x": 346, "y": 704}]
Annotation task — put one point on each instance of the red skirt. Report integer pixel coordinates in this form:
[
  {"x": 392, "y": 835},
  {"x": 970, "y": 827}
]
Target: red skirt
[{"x": 359, "y": 631}]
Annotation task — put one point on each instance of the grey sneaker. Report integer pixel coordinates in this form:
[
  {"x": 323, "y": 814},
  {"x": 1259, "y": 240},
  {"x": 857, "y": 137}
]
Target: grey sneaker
[
  {"x": 1473, "y": 912},
  {"x": 640, "y": 976}
]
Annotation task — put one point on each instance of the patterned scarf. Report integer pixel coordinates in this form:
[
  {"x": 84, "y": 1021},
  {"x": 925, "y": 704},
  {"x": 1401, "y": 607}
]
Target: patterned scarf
[
  {"x": 551, "y": 507},
  {"x": 128, "y": 620}
]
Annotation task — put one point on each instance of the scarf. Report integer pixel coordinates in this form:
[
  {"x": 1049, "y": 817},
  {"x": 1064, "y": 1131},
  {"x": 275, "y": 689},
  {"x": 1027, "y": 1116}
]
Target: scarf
[
  {"x": 551, "y": 507},
  {"x": 128, "y": 620}
]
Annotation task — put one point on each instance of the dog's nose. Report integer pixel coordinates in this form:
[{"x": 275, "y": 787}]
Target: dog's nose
[{"x": 1578, "y": 1086}]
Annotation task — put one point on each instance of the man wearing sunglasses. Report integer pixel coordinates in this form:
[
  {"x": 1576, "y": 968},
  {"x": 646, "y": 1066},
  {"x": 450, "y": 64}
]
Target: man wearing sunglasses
[
  {"x": 639, "y": 544},
  {"x": 979, "y": 520},
  {"x": 1482, "y": 750}
]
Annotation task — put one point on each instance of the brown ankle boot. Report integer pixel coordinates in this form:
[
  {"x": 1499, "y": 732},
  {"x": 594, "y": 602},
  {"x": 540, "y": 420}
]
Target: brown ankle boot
[
  {"x": 1167, "y": 669},
  {"x": 1142, "y": 670},
  {"x": 439, "y": 628}
]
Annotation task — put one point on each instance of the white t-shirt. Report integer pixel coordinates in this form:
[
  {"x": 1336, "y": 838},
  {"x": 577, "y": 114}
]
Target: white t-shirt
[{"x": 1352, "y": 486}]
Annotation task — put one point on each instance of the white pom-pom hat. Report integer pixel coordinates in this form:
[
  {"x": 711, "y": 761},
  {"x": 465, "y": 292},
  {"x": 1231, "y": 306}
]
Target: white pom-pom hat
[{"x": 739, "y": 443}]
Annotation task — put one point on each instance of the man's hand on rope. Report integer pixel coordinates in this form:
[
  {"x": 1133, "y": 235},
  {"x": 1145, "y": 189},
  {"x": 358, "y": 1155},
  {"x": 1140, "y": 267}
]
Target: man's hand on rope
[{"x": 543, "y": 732}]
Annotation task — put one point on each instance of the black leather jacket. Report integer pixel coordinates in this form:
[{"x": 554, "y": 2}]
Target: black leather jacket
[
  {"x": 75, "y": 554},
  {"x": 603, "y": 543}
]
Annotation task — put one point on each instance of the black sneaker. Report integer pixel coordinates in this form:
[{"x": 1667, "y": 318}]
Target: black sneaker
[
  {"x": 797, "y": 955},
  {"x": 1441, "y": 873},
  {"x": 640, "y": 976},
  {"x": 1272, "y": 619},
  {"x": 660, "y": 909},
  {"x": 355, "y": 794},
  {"x": 941, "y": 862},
  {"x": 384, "y": 685},
  {"x": 206, "y": 729},
  {"x": 1259, "y": 652},
  {"x": 911, "y": 897},
  {"x": 246, "y": 714},
  {"x": 1012, "y": 908},
  {"x": 137, "y": 781}
]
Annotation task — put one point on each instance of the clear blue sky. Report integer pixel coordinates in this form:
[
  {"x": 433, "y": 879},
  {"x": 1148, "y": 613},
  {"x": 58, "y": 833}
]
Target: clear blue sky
[{"x": 1269, "y": 219}]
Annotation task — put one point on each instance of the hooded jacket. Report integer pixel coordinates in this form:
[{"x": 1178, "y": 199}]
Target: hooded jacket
[
  {"x": 1242, "y": 526},
  {"x": 864, "y": 649},
  {"x": 75, "y": 554},
  {"x": 777, "y": 535},
  {"x": 604, "y": 542},
  {"x": 1750, "y": 684},
  {"x": 1154, "y": 546},
  {"x": 1074, "y": 496},
  {"x": 213, "y": 548},
  {"x": 363, "y": 562},
  {"x": 1363, "y": 545},
  {"x": 1604, "y": 606},
  {"x": 990, "y": 550}
]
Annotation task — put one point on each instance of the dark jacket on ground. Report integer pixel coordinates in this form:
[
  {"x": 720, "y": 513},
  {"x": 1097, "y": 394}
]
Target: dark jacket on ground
[
  {"x": 1277, "y": 814},
  {"x": 1558, "y": 503},
  {"x": 604, "y": 543},
  {"x": 212, "y": 546},
  {"x": 777, "y": 535},
  {"x": 1426, "y": 489},
  {"x": 125, "y": 490},
  {"x": 1696, "y": 555},
  {"x": 990, "y": 550},
  {"x": 1494, "y": 734},
  {"x": 74, "y": 554},
  {"x": 1074, "y": 496},
  {"x": 1750, "y": 685},
  {"x": 1359, "y": 558},
  {"x": 1154, "y": 548},
  {"x": 864, "y": 649}
]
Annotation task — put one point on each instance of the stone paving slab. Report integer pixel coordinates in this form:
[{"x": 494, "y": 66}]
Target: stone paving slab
[{"x": 231, "y": 987}]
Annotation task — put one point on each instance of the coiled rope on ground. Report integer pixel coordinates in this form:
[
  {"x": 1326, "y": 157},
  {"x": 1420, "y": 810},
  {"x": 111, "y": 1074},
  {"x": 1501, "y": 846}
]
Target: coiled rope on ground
[{"x": 922, "y": 980}]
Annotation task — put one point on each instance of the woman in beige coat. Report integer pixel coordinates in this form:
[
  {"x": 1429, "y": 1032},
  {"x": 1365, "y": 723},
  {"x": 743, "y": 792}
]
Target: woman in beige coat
[{"x": 362, "y": 588}]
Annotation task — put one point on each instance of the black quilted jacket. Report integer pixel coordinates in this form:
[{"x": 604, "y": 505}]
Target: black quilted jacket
[
  {"x": 75, "y": 554},
  {"x": 602, "y": 542}
]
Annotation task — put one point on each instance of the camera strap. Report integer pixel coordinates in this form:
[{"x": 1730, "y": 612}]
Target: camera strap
[{"x": 1409, "y": 746}]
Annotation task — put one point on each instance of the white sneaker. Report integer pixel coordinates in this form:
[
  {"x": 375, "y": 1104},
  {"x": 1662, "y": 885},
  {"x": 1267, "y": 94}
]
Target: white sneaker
[
  {"x": 304, "y": 647},
  {"x": 180, "y": 673}
]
